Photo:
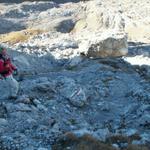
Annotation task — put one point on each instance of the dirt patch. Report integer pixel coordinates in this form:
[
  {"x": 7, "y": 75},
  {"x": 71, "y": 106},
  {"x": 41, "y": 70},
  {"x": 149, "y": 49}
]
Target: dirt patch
[
  {"x": 19, "y": 36},
  {"x": 87, "y": 142}
]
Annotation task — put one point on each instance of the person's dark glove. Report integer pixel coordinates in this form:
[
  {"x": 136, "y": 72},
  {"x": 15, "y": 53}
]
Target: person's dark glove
[{"x": 16, "y": 72}]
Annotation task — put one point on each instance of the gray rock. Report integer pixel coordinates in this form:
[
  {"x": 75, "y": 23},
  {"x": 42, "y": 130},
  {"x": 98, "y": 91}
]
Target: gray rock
[
  {"x": 104, "y": 106},
  {"x": 136, "y": 142},
  {"x": 81, "y": 132},
  {"x": 115, "y": 145},
  {"x": 72, "y": 91},
  {"x": 102, "y": 134},
  {"x": 18, "y": 107},
  {"x": 145, "y": 138},
  {"x": 43, "y": 87},
  {"x": 41, "y": 107},
  {"x": 29, "y": 148},
  {"x": 75, "y": 61},
  {"x": 36, "y": 102},
  {"x": 3, "y": 122},
  {"x": 65, "y": 26},
  {"x": 41, "y": 148},
  {"x": 130, "y": 132},
  {"x": 145, "y": 120},
  {"x": 23, "y": 99}
]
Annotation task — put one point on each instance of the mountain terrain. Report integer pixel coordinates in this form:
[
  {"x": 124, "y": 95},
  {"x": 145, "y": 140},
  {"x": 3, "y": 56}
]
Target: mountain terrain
[{"x": 84, "y": 75}]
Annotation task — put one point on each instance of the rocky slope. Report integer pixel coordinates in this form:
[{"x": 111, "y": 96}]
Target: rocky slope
[{"x": 83, "y": 68}]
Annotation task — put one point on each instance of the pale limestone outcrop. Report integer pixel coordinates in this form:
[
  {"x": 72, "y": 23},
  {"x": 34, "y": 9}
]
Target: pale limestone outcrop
[{"x": 100, "y": 32}]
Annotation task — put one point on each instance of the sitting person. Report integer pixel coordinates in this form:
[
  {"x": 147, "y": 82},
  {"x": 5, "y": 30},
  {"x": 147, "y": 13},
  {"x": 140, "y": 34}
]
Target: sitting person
[{"x": 6, "y": 72}]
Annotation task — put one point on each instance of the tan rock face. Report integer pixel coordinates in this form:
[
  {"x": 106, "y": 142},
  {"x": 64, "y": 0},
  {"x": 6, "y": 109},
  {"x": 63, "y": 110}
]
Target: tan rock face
[
  {"x": 98, "y": 18},
  {"x": 108, "y": 47},
  {"x": 101, "y": 32},
  {"x": 139, "y": 31},
  {"x": 79, "y": 26}
]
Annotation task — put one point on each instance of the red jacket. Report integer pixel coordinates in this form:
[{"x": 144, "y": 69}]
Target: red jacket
[{"x": 6, "y": 67}]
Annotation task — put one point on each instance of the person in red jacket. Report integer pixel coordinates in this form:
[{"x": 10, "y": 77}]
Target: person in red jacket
[{"x": 6, "y": 72}]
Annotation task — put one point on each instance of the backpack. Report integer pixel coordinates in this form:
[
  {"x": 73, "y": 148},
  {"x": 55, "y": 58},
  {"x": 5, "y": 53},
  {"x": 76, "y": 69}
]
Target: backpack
[{"x": 3, "y": 73}]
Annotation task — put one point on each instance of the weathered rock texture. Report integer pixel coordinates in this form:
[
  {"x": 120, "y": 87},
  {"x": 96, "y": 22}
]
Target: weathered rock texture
[
  {"x": 107, "y": 47},
  {"x": 98, "y": 31}
]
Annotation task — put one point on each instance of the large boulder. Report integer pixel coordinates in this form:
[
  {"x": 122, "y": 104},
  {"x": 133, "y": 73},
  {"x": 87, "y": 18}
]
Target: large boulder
[{"x": 109, "y": 46}]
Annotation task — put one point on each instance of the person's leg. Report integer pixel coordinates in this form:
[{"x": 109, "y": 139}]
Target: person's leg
[
  {"x": 8, "y": 85},
  {"x": 3, "y": 89},
  {"x": 13, "y": 86}
]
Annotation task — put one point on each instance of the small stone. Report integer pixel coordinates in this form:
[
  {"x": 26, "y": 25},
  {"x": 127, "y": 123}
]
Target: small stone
[
  {"x": 115, "y": 145},
  {"x": 41, "y": 148},
  {"x": 123, "y": 145},
  {"x": 23, "y": 99},
  {"x": 136, "y": 142},
  {"x": 41, "y": 107},
  {"x": 145, "y": 120},
  {"x": 3, "y": 121},
  {"x": 130, "y": 132},
  {"x": 36, "y": 102}
]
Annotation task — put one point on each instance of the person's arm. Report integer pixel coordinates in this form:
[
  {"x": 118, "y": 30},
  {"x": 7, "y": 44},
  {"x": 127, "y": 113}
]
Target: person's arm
[
  {"x": 10, "y": 65},
  {"x": 13, "y": 67}
]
